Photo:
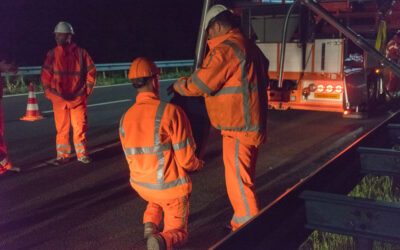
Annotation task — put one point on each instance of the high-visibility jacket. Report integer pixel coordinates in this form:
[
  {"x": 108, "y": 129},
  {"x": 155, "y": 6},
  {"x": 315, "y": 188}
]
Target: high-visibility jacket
[
  {"x": 68, "y": 74},
  {"x": 393, "y": 50},
  {"x": 159, "y": 148},
  {"x": 233, "y": 81},
  {"x": 393, "y": 53}
]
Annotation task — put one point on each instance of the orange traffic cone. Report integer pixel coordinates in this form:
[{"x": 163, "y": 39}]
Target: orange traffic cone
[{"x": 32, "y": 109}]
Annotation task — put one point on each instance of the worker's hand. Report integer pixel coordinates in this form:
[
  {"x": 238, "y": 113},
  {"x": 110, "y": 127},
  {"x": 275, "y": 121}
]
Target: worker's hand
[
  {"x": 171, "y": 90},
  {"x": 68, "y": 97},
  {"x": 201, "y": 165},
  {"x": 47, "y": 94},
  {"x": 8, "y": 67}
]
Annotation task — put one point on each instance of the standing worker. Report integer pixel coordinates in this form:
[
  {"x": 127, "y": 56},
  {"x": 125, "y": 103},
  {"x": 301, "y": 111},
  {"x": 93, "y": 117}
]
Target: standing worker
[
  {"x": 233, "y": 81},
  {"x": 158, "y": 144},
  {"x": 393, "y": 53},
  {"x": 68, "y": 78},
  {"x": 5, "y": 163}
]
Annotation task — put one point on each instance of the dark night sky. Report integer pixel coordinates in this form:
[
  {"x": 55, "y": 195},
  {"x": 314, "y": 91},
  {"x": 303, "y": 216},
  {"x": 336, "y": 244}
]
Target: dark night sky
[{"x": 111, "y": 30}]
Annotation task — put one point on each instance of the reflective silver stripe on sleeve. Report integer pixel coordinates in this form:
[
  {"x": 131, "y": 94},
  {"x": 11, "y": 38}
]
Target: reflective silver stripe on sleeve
[
  {"x": 157, "y": 141},
  {"x": 244, "y": 198},
  {"x": 180, "y": 90},
  {"x": 251, "y": 128},
  {"x": 245, "y": 82},
  {"x": 121, "y": 127},
  {"x": 229, "y": 90},
  {"x": 181, "y": 145},
  {"x": 148, "y": 150},
  {"x": 211, "y": 56},
  {"x": 242, "y": 219},
  {"x": 200, "y": 84},
  {"x": 163, "y": 186},
  {"x": 91, "y": 66}
]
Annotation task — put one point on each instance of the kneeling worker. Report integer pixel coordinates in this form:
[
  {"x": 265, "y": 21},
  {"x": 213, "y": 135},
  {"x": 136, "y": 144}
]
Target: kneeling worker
[{"x": 158, "y": 144}]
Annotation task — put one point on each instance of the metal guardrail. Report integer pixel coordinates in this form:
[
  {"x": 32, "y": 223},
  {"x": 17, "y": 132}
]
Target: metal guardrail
[
  {"x": 282, "y": 224},
  {"x": 102, "y": 67}
]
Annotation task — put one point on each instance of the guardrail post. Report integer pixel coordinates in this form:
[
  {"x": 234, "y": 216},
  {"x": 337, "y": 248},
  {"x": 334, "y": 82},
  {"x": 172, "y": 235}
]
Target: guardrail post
[
  {"x": 104, "y": 75},
  {"x": 7, "y": 77},
  {"x": 22, "y": 79},
  {"x": 126, "y": 74}
]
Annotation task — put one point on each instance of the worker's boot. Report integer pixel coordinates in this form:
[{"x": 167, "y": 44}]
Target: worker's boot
[
  {"x": 149, "y": 229},
  {"x": 85, "y": 159},
  {"x": 61, "y": 161},
  {"x": 156, "y": 242}
]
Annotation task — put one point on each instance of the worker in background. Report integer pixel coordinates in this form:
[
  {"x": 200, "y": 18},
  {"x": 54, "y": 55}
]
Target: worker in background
[
  {"x": 233, "y": 81},
  {"x": 68, "y": 78},
  {"x": 158, "y": 144},
  {"x": 5, "y": 163},
  {"x": 393, "y": 53}
]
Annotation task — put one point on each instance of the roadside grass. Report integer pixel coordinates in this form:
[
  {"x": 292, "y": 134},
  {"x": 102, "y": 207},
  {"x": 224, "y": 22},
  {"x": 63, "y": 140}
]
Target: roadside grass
[
  {"x": 19, "y": 84},
  {"x": 371, "y": 187}
]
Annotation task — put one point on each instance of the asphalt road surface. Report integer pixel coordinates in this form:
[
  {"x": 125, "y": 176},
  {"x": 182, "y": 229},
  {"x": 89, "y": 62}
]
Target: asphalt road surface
[{"x": 92, "y": 206}]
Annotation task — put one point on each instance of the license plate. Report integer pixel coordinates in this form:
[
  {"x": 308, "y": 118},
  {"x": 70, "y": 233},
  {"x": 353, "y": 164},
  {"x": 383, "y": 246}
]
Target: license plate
[{"x": 327, "y": 96}]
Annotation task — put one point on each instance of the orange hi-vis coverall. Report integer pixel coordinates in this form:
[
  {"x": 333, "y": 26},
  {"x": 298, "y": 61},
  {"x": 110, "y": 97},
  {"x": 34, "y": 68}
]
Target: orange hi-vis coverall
[
  {"x": 232, "y": 80},
  {"x": 68, "y": 78},
  {"x": 393, "y": 53},
  {"x": 4, "y": 162},
  {"x": 158, "y": 144}
]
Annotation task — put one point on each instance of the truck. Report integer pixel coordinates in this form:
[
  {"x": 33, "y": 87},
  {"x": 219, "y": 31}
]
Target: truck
[{"x": 324, "y": 56}]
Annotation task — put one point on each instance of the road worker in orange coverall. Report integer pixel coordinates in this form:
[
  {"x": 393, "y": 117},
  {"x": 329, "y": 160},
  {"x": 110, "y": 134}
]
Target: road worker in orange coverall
[
  {"x": 68, "y": 78},
  {"x": 158, "y": 144},
  {"x": 5, "y": 163},
  {"x": 233, "y": 81},
  {"x": 393, "y": 53}
]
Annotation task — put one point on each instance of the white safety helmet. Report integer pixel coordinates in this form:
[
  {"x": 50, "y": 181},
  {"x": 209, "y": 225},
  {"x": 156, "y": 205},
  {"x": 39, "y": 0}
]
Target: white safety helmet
[
  {"x": 64, "y": 27},
  {"x": 213, "y": 12}
]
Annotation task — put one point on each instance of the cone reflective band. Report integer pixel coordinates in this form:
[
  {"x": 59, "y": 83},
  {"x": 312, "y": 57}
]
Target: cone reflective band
[{"x": 32, "y": 109}]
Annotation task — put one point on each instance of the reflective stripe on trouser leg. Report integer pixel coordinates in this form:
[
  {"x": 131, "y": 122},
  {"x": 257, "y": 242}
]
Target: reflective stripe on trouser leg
[
  {"x": 153, "y": 213},
  {"x": 63, "y": 151},
  {"x": 3, "y": 147},
  {"x": 176, "y": 212},
  {"x": 240, "y": 161},
  {"x": 79, "y": 127},
  {"x": 63, "y": 123},
  {"x": 4, "y": 163}
]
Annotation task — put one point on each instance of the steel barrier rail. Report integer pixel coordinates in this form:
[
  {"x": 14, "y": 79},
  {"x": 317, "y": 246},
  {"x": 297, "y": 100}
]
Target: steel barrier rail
[
  {"x": 102, "y": 67},
  {"x": 281, "y": 224}
]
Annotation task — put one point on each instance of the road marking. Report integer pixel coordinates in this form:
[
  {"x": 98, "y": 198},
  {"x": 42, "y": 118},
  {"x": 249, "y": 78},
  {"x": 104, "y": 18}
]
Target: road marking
[
  {"x": 96, "y": 87},
  {"x": 94, "y": 105}
]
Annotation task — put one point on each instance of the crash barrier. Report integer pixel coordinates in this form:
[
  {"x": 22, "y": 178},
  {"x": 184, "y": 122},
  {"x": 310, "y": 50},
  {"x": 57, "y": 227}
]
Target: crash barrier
[
  {"x": 319, "y": 201},
  {"x": 103, "y": 67}
]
